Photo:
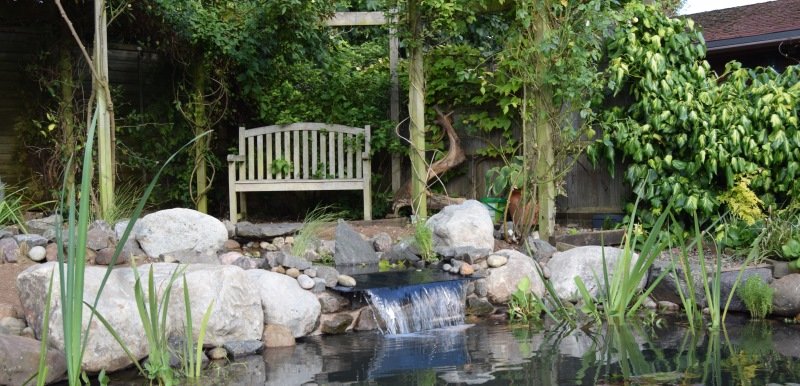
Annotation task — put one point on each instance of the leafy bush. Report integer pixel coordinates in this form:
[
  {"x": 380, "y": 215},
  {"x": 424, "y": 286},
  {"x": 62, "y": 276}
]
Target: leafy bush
[
  {"x": 690, "y": 133},
  {"x": 523, "y": 304},
  {"x": 757, "y": 297},
  {"x": 781, "y": 234}
]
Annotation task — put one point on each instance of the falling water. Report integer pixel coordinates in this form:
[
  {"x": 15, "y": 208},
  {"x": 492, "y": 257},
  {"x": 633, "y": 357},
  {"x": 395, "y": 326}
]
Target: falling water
[{"x": 419, "y": 307}]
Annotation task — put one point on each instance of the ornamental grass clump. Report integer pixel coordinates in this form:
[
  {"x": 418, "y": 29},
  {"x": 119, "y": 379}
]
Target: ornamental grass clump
[{"x": 757, "y": 297}]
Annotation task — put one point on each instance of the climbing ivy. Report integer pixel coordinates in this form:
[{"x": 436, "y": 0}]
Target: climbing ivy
[{"x": 688, "y": 133}]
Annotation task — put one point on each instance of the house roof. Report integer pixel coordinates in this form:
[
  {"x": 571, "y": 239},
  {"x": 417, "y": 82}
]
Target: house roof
[{"x": 756, "y": 23}]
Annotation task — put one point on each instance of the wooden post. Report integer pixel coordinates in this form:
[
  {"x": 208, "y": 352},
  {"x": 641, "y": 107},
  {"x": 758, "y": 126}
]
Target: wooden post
[
  {"x": 416, "y": 112},
  {"x": 394, "y": 100},
  {"x": 105, "y": 146}
]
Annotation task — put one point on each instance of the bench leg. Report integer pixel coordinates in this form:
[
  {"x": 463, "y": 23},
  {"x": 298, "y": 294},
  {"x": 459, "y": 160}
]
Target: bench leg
[
  {"x": 232, "y": 207},
  {"x": 367, "y": 204},
  {"x": 243, "y": 203}
]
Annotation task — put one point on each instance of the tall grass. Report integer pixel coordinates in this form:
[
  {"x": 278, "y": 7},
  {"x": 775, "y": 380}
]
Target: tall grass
[
  {"x": 314, "y": 223},
  {"x": 71, "y": 276}
]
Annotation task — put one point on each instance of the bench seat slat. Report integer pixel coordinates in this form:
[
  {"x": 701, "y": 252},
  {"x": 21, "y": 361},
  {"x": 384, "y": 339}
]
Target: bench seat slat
[{"x": 304, "y": 185}]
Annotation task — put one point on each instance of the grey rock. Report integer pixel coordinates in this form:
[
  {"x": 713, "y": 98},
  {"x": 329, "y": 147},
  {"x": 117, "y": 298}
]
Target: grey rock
[
  {"x": 319, "y": 285},
  {"x": 243, "y": 348},
  {"x": 267, "y": 246},
  {"x": 121, "y": 225},
  {"x": 496, "y": 261},
  {"x": 19, "y": 360},
  {"x": 326, "y": 247},
  {"x": 502, "y": 282},
  {"x": 305, "y": 282},
  {"x": 466, "y": 253},
  {"x": 404, "y": 250},
  {"x": 329, "y": 274},
  {"x": 337, "y": 324},
  {"x": 480, "y": 288},
  {"x": 667, "y": 288},
  {"x": 311, "y": 272},
  {"x": 786, "y": 298},
  {"x": 382, "y": 242},
  {"x": 228, "y": 258},
  {"x": 33, "y": 240},
  {"x": 245, "y": 262},
  {"x": 465, "y": 225},
  {"x": 350, "y": 248},
  {"x": 276, "y": 335},
  {"x": 105, "y": 255},
  {"x": 346, "y": 281},
  {"x": 289, "y": 261},
  {"x": 230, "y": 227},
  {"x": 279, "y": 242},
  {"x": 283, "y": 301},
  {"x": 311, "y": 255},
  {"x": 190, "y": 256},
  {"x": 37, "y": 253},
  {"x": 27, "y": 332},
  {"x": 447, "y": 267},
  {"x": 7, "y": 309},
  {"x": 100, "y": 236},
  {"x": 9, "y": 250},
  {"x": 367, "y": 320},
  {"x": 265, "y": 231},
  {"x": 728, "y": 279},
  {"x": 180, "y": 229},
  {"x": 667, "y": 306},
  {"x": 540, "y": 249},
  {"x": 231, "y": 245},
  {"x": 43, "y": 226},
  {"x": 587, "y": 263},
  {"x": 217, "y": 353},
  {"x": 332, "y": 302}
]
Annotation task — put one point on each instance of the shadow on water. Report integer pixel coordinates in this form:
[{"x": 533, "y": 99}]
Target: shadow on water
[{"x": 746, "y": 353}]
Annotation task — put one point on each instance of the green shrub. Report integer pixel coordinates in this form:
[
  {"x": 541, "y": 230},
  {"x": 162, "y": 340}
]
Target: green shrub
[
  {"x": 423, "y": 238},
  {"x": 781, "y": 234},
  {"x": 757, "y": 297},
  {"x": 523, "y": 305}
]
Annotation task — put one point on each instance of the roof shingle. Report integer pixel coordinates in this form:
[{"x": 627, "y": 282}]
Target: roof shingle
[{"x": 749, "y": 20}]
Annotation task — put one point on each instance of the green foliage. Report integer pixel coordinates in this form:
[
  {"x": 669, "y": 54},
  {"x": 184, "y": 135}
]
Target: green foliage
[
  {"x": 689, "y": 132},
  {"x": 423, "y": 239},
  {"x": 153, "y": 314},
  {"x": 523, "y": 305},
  {"x": 780, "y": 234},
  {"x": 500, "y": 180},
  {"x": 192, "y": 358},
  {"x": 12, "y": 209},
  {"x": 742, "y": 202},
  {"x": 316, "y": 221},
  {"x": 281, "y": 166},
  {"x": 757, "y": 297}
]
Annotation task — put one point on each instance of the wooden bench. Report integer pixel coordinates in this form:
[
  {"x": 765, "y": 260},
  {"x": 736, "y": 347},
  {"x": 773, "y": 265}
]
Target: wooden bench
[{"x": 299, "y": 157}]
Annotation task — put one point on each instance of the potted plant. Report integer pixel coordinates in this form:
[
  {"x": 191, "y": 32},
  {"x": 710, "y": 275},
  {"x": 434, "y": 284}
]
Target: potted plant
[{"x": 505, "y": 183}]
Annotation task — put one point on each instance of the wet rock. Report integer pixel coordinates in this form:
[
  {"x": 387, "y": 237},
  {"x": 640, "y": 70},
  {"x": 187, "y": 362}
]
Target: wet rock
[
  {"x": 786, "y": 299},
  {"x": 347, "y": 281},
  {"x": 217, "y": 353},
  {"x": 19, "y": 360},
  {"x": 480, "y": 288},
  {"x": 276, "y": 335},
  {"x": 37, "y": 253},
  {"x": 351, "y": 248},
  {"x": 305, "y": 281},
  {"x": 367, "y": 320},
  {"x": 332, "y": 302},
  {"x": 243, "y": 348},
  {"x": 479, "y": 306},
  {"x": 337, "y": 324}
]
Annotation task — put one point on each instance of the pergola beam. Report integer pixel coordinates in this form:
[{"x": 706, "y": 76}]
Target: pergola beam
[{"x": 343, "y": 19}]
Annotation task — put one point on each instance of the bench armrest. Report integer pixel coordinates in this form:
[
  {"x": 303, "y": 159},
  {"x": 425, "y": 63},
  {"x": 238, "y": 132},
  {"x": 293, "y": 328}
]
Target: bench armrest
[{"x": 236, "y": 158}]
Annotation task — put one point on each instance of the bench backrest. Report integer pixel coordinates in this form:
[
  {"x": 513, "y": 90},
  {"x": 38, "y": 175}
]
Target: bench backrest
[{"x": 303, "y": 151}]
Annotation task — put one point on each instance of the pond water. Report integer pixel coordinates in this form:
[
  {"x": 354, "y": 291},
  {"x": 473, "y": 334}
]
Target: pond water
[{"x": 490, "y": 353}]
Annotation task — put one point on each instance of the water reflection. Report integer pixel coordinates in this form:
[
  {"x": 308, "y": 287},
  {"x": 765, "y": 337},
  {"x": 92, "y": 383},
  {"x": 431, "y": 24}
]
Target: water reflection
[{"x": 743, "y": 354}]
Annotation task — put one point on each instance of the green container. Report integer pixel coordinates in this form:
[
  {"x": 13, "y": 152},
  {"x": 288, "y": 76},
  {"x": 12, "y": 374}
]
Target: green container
[{"x": 496, "y": 206}]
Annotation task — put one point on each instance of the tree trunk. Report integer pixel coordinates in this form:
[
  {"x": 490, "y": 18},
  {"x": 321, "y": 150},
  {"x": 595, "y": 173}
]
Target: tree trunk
[
  {"x": 105, "y": 146},
  {"x": 416, "y": 112}
]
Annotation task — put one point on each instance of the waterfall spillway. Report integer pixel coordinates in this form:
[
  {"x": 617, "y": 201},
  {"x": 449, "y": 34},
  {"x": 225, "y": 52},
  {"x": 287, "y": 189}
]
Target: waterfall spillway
[{"x": 419, "y": 307}]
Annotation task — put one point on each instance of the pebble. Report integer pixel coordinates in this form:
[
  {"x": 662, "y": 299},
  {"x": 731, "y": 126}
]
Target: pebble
[
  {"x": 264, "y": 245},
  {"x": 347, "y": 281},
  {"x": 13, "y": 325},
  {"x": 288, "y": 240},
  {"x": 278, "y": 242},
  {"x": 217, "y": 353},
  {"x": 466, "y": 270},
  {"x": 37, "y": 253},
  {"x": 305, "y": 282},
  {"x": 311, "y": 272},
  {"x": 447, "y": 267},
  {"x": 496, "y": 261},
  {"x": 278, "y": 269},
  {"x": 293, "y": 272},
  {"x": 231, "y": 245}
]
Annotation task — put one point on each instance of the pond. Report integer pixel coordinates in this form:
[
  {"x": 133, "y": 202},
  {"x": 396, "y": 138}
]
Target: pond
[{"x": 495, "y": 353}]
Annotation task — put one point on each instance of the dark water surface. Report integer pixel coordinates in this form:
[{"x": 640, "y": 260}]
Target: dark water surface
[
  {"x": 489, "y": 353},
  {"x": 746, "y": 353}
]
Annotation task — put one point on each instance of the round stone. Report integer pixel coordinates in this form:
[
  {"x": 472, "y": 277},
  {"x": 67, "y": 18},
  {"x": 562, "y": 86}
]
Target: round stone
[
  {"x": 264, "y": 245},
  {"x": 279, "y": 270},
  {"x": 217, "y": 353},
  {"x": 466, "y": 270},
  {"x": 231, "y": 245},
  {"x": 447, "y": 267},
  {"x": 347, "y": 281},
  {"x": 305, "y": 282},
  {"x": 293, "y": 272},
  {"x": 311, "y": 272},
  {"x": 37, "y": 253},
  {"x": 496, "y": 261}
]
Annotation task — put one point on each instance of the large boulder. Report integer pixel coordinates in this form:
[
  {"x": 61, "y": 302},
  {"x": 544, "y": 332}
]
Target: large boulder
[
  {"x": 180, "y": 229},
  {"x": 284, "y": 302},
  {"x": 19, "y": 360},
  {"x": 502, "y": 282},
  {"x": 350, "y": 248},
  {"x": 586, "y": 263},
  {"x": 236, "y": 314},
  {"x": 463, "y": 227}
]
